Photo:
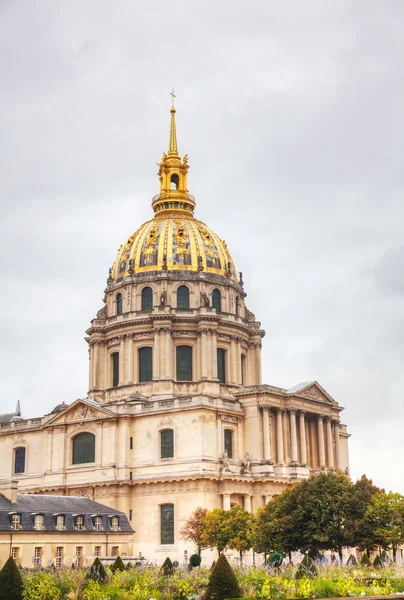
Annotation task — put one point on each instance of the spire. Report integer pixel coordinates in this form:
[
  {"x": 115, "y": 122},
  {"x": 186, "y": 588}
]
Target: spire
[
  {"x": 172, "y": 146},
  {"x": 18, "y": 409}
]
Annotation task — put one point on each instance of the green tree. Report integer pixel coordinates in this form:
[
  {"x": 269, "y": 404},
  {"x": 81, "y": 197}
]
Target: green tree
[
  {"x": 360, "y": 527},
  {"x": 10, "y": 581},
  {"x": 239, "y": 527},
  {"x": 385, "y": 514},
  {"x": 193, "y": 530},
  {"x": 274, "y": 527},
  {"x": 216, "y": 534}
]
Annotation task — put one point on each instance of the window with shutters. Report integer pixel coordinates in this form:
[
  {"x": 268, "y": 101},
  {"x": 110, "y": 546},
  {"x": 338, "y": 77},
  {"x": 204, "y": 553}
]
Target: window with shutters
[
  {"x": 167, "y": 524},
  {"x": 221, "y": 365},
  {"x": 83, "y": 448},
  {"x": 217, "y": 300},
  {"x": 145, "y": 364},
  {"x": 228, "y": 442},
  {"x": 147, "y": 298},
  {"x": 119, "y": 304},
  {"x": 115, "y": 368},
  {"x": 184, "y": 363},
  {"x": 167, "y": 443},
  {"x": 19, "y": 460},
  {"x": 183, "y": 297}
]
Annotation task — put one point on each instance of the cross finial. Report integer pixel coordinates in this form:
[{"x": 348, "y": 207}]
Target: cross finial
[{"x": 173, "y": 96}]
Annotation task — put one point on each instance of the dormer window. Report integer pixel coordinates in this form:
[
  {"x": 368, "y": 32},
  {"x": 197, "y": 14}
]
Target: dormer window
[
  {"x": 97, "y": 521},
  {"x": 39, "y": 522},
  {"x": 115, "y": 523},
  {"x": 60, "y": 522},
  {"x": 16, "y": 522},
  {"x": 79, "y": 522}
]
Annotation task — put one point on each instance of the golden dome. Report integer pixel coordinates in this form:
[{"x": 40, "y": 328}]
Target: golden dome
[{"x": 173, "y": 240}]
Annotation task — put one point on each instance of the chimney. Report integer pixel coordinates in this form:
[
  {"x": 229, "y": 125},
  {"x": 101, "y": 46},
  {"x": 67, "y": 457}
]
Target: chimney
[{"x": 9, "y": 489}]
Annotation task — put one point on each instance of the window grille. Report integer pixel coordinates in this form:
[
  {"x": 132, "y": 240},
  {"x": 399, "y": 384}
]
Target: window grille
[
  {"x": 184, "y": 363},
  {"x": 145, "y": 364},
  {"x": 167, "y": 443},
  {"x": 167, "y": 524},
  {"x": 83, "y": 448}
]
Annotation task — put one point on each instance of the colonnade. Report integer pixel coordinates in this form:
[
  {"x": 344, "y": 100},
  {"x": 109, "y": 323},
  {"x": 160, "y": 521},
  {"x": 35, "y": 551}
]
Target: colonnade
[
  {"x": 250, "y": 502},
  {"x": 296, "y": 437}
]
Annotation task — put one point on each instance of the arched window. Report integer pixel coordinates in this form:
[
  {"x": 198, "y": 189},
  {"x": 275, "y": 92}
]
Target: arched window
[
  {"x": 175, "y": 181},
  {"x": 167, "y": 443},
  {"x": 221, "y": 365},
  {"x": 184, "y": 363},
  {"x": 217, "y": 300},
  {"x": 145, "y": 364},
  {"x": 167, "y": 524},
  {"x": 83, "y": 448},
  {"x": 228, "y": 442},
  {"x": 115, "y": 368},
  {"x": 119, "y": 304},
  {"x": 183, "y": 297},
  {"x": 237, "y": 306},
  {"x": 19, "y": 460},
  {"x": 147, "y": 298}
]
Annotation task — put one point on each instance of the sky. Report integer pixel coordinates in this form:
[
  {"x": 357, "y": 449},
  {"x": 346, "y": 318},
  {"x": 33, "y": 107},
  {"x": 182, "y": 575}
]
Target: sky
[{"x": 292, "y": 115}]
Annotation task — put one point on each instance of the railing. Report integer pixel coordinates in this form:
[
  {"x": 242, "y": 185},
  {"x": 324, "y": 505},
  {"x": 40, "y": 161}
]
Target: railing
[{"x": 173, "y": 194}]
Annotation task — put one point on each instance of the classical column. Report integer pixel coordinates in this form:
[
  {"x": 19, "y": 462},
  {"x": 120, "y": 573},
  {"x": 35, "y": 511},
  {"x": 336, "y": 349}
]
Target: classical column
[
  {"x": 169, "y": 351},
  {"x": 219, "y": 440},
  {"x": 156, "y": 354},
  {"x": 321, "y": 450},
  {"x": 122, "y": 361},
  {"x": 238, "y": 362},
  {"x": 247, "y": 502},
  {"x": 293, "y": 435},
  {"x": 204, "y": 352},
  {"x": 267, "y": 499},
  {"x": 258, "y": 363},
  {"x": 49, "y": 450},
  {"x": 213, "y": 351},
  {"x": 226, "y": 501},
  {"x": 337, "y": 446},
  {"x": 267, "y": 435},
  {"x": 279, "y": 436},
  {"x": 330, "y": 453},
  {"x": 240, "y": 434},
  {"x": 130, "y": 359},
  {"x": 302, "y": 431},
  {"x": 286, "y": 437}
]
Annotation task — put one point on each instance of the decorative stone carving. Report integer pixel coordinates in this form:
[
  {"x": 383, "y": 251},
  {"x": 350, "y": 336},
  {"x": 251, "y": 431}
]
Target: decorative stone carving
[{"x": 228, "y": 418}]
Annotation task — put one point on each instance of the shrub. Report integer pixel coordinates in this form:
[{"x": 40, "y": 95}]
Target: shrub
[
  {"x": 97, "y": 571},
  {"x": 307, "y": 568},
  {"x": 40, "y": 585},
  {"x": 167, "y": 566},
  {"x": 118, "y": 565},
  {"x": 365, "y": 561},
  {"x": 378, "y": 563},
  {"x": 10, "y": 581},
  {"x": 194, "y": 561},
  {"x": 213, "y": 565},
  {"x": 275, "y": 560},
  {"x": 351, "y": 560},
  {"x": 222, "y": 583}
]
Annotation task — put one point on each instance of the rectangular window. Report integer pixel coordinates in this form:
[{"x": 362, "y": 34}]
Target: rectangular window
[
  {"x": 19, "y": 460},
  {"x": 221, "y": 365},
  {"x": 97, "y": 550},
  {"x": 115, "y": 523},
  {"x": 15, "y": 554},
  {"x": 167, "y": 443},
  {"x": 115, "y": 551},
  {"x": 79, "y": 522},
  {"x": 184, "y": 363},
  {"x": 115, "y": 369},
  {"x": 79, "y": 556},
  {"x": 131, "y": 443},
  {"x": 130, "y": 514},
  {"x": 228, "y": 442},
  {"x": 167, "y": 524},
  {"x": 15, "y": 522},
  {"x": 38, "y": 522},
  {"x": 130, "y": 475},
  {"x": 97, "y": 523},
  {"x": 37, "y": 556},
  {"x": 145, "y": 364},
  {"x": 59, "y": 557},
  {"x": 60, "y": 522}
]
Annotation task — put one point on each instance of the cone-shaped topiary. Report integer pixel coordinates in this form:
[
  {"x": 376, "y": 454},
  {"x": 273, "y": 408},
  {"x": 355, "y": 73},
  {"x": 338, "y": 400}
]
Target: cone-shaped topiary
[
  {"x": 118, "y": 565},
  {"x": 194, "y": 561},
  {"x": 222, "y": 583},
  {"x": 378, "y": 563},
  {"x": 351, "y": 560},
  {"x": 365, "y": 561},
  {"x": 167, "y": 566},
  {"x": 275, "y": 560},
  {"x": 213, "y": 565},
  {"x": 10, "y": 581},
  {"x": 307, "y": 568},
  {"x": 97, "y": 571}
]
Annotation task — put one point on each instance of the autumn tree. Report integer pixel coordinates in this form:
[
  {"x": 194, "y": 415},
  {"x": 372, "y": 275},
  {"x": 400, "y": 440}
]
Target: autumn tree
[
  {"x": 194, "y": 528},
  {"x": 216, "y": 534},
  {"x": 239, "y": 526}
]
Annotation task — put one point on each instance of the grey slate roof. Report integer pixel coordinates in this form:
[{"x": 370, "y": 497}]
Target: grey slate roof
[
  {"x": 6, "y": 418},
  {"x": 28, "y": 505},
  {"x": 298, "y": 387}
]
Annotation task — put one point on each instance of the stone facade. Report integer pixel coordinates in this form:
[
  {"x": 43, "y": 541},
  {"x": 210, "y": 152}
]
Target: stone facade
[{"x": 230, "y": 438}]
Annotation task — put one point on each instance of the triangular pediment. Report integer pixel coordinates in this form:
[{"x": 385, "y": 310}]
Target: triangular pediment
[
  {"x": 312, "y": 390},
  {"x": 81, "y": 410}
]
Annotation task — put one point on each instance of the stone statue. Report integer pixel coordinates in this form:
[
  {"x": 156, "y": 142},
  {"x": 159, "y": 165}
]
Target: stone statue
[
  {"x": 225, "y": 461},
  {"x": 185, "y": 159},
  {"x": 247, "y": 463},
  {"x": 200, "y": 263},
  {"x": 130, "y": 270},
  {"x": 163, "y": 298},
  {"x": 204, "y": 299},
  {"x": 241, "y": 282}
]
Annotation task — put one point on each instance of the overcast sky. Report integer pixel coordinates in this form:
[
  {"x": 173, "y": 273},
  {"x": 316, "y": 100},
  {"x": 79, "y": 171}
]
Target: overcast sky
[{"x": 292, "y": 115}]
